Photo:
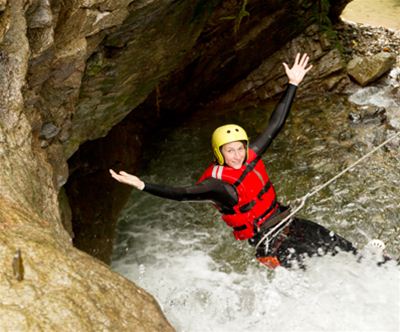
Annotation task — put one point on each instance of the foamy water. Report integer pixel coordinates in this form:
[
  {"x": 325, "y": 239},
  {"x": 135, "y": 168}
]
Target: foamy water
[
  {"x": 198, "y": 291},
  {"x": 381, "y": 94}
]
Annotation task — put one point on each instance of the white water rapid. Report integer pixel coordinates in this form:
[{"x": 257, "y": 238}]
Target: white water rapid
[{"x": 182, "y": 266}]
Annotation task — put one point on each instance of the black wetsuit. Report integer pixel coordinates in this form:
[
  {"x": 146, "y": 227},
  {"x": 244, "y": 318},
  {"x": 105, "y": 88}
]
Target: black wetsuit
[{"x": 304, "y": 236}]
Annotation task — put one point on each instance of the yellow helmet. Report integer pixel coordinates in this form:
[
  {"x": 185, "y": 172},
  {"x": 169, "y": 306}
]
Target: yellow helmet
[{"x": 227, "y": 134}]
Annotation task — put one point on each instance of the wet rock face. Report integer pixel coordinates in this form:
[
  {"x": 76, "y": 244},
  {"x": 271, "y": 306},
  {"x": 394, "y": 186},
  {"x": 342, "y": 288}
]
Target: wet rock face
[
  {"x": 368, "y": 115},
  {"x": 61, "y": 37},
  {"x": 24, "y": 175},
  {"x": 239, "y": 59},
  {"x": 39, "y": 86},
  {"x": 130, "y": 61},
  {"x": 94, "y": 218},
  {"x": 328, "y": 73}
]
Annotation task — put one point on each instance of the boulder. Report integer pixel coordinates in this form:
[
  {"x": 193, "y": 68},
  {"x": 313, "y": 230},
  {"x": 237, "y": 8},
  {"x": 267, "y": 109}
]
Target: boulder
[
  {"x": 48, "y": 285},
  {"x": 365, "y": 70}
]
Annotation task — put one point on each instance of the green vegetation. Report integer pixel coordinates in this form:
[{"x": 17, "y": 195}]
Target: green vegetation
[
  {"x": 321, "y": 16},
  {"x": 238, "y": 17},
  {"x": 94, "y": 64}
]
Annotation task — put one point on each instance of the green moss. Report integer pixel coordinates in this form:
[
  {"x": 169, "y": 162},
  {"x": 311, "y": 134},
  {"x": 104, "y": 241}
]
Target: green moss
[
  {"x": 242, "y": 13},
  {"x": 94, "y": 64},
  {"x": 321, "y": 18}
]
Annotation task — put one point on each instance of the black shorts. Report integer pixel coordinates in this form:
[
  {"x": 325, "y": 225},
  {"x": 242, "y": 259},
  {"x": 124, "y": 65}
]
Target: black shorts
[{"x": 300, "y": 239}]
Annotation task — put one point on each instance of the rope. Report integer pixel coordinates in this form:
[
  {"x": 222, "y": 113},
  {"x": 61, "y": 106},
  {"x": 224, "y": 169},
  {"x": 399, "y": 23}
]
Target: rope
[{"x": 286, "y": 221}]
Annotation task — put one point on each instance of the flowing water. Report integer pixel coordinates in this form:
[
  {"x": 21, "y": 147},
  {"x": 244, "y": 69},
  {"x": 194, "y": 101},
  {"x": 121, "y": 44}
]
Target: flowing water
[{"x": 204, "y": 280}]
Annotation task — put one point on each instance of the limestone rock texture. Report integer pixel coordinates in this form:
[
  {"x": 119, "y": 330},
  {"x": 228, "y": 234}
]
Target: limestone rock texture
[
  {"x": 365, "y": 70},
  {"x": 82, "y": 84},
  {"x": 55, "y": 287}
]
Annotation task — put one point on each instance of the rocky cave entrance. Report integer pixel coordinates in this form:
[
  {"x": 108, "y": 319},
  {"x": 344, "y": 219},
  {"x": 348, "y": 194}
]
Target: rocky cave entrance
[
  {"x": 220, "y": 58},
  {"x": 94, "y": 197}
]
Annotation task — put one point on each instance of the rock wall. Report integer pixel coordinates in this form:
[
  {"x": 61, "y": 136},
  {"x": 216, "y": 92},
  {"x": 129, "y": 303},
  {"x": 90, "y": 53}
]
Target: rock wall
[
  {"x": 26, "y": 177},
  {"x": 228, "y": 54},
  {"x": 52, "y": 286}
]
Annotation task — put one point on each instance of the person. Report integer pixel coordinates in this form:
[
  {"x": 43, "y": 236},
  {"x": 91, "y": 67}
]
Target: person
[{"x": 238, "y": 184}]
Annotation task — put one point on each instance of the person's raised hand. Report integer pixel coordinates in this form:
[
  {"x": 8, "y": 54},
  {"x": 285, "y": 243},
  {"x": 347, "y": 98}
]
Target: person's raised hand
[
  {"x": 127, "y": 178},
  {"x": 299, "y": 69}
]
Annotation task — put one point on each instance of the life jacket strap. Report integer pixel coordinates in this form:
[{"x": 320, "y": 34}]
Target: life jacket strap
[
  {"x": 255, "y": 225},
  {"x": 273, "y": 206},
  {"x": 249, "y": 168},
  {"x": 240, "y": 228},
  {"x": 265, "y": 189},
  {"x": 248, "y": 206}
]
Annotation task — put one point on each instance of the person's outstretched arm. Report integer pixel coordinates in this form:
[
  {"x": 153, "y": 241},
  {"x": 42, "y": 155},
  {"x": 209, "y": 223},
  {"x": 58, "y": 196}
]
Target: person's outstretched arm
[
  {"x": 281, "y": 111},
  {"x": 210, "y": 189}
]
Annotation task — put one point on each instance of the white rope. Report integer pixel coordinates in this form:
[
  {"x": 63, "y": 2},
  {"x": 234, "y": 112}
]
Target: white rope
[{"x": 273, "y": 232}]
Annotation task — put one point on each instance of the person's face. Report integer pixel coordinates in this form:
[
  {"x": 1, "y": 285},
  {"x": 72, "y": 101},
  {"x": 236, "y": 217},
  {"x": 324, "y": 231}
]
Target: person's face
[{"x": 234, "y": 154}]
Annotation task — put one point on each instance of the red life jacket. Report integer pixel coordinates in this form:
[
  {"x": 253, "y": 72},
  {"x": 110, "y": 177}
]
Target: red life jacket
[{"x": 256, "y": 195}]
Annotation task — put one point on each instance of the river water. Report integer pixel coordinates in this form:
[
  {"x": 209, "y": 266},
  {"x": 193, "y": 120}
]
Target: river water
[{"x": 204, "y": 280}]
